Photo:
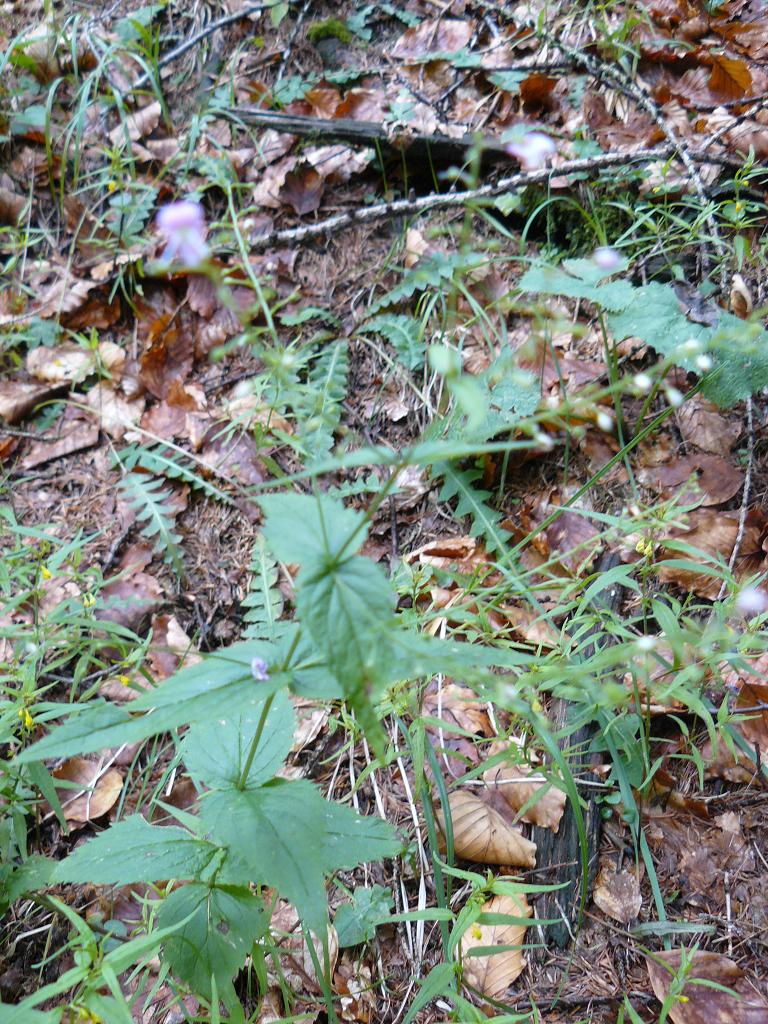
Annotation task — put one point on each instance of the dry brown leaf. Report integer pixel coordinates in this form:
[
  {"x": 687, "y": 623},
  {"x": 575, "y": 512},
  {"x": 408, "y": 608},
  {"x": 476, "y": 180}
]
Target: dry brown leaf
[
  {"x": 698, "y": 478},
  {"x": 129, "y": 600},
  {"x": 62, "y": 363},
  {"x": 289, "y": 939},
  {"x": 701, "y": 424},
  {"x": 115, "y": 414},
  {"x": 98, "y": 789},
  {"x": 302, "y": 189},
  {"x": 703, "y": 1004},
  {"x": 715, "y": 533},
  {"x": 67, "y": 437},
  {"x": 17, "y": 400},
  {"x": 492, "y": 975},
  {"x": 137, "y": 125},
  {"x": 481, "y": 834},
  {"x": 617, "y": 893},
  {"x": 11, "y": 206},
  {"x": 510, "y": 783}
]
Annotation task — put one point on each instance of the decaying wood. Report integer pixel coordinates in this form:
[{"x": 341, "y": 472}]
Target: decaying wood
[
  {"x": 370, "y": 134},
  {"x": 562, "y": 849}
]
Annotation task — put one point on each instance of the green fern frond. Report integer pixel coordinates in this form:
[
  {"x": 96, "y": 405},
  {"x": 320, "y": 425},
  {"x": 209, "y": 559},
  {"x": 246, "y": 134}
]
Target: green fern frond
[
  {"x": 145, "y": 494},
  {"x": 164, "y": 460},
  {"x": 319, "y": 408},
  {"x": 264, "y": 600},
  {"x": 472, "y": 502}
]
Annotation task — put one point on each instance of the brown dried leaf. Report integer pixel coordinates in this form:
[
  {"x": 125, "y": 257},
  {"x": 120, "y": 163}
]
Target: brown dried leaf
[
  {"x": 64, "y": 439},
  {"x": 438, "y": 35},
  {"x": 509, "y": 782},
  {"x": 11, "y": 206},
  {"x": 302, "y": 189},
  {"x": 298, "y": 964},
  {"x": 233, "y": 457},
  {"x": 168, "y": 356},
  {"x": 138, "y": 125},
  {"x": 703, "y": 1004},
  {"x": 102, "y": 788},
  {"x": 715, "y": 533},
  {"x": 617, "y": 894},
  {"x": 115, "y": 414},
  {"x": 17, "y": 400},
  {"x": 702, "y": 478},
  {"x": 481, "y": 834},
  {"x": 130, "y": 600},
  {"x": 701, "y": 424},
  {"x": 492, "y": 975}
]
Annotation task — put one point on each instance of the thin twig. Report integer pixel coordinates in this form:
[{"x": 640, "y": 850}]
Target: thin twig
[
  {"x": 434, "y": 201},
  {"x": 744, "y": 496},
  {"x": 285, "y": 56},
  {"x": 195, "y": 40}
]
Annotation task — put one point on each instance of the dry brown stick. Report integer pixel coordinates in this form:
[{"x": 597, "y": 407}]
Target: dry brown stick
[{"x": 437, "y": 201}]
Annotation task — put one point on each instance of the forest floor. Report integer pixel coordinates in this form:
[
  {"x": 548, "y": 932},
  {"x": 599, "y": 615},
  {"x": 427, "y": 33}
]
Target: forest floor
[{"x": 521, "y": 248}]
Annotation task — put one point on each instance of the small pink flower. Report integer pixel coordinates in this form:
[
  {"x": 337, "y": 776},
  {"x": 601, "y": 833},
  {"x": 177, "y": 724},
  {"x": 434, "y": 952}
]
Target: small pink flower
[
  {"x": 183, "y": 225},
  {"x": 532, "y": 150},
  {"x": 752, "y": 601},
  {"x": 259, "y": 670},
  {"x": 606, "y": 258}
]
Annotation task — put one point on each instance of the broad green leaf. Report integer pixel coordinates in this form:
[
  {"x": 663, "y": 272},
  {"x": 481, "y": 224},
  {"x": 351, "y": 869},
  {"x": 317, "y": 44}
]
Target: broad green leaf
[
  {"x": 300, "y": 527},
  {"x": 308, "y": 669},
  {"x": 356, "y": 922},
  {"x": 654, "y": 316},
  {"x": 135, "y": 851},
  {"x": 580, "y": 279},
  {"x": 344, "y": 608},
  {"x": 286, "y": 835},
  {"x": 18, "y": 879},
  {"x": 223, "y": 679},
  {"x": 21, "y": 1014},
  {"x": 214, "y": 942},
  {"x": 507, "y": 81},
  {"x": 215, "y": 751},
  {"x": 405, "y": 334}
]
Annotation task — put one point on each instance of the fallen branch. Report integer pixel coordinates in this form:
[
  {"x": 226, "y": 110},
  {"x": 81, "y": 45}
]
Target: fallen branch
[
  {"x": 436, "y": 201},
  {"x": 370, "y": 134}
]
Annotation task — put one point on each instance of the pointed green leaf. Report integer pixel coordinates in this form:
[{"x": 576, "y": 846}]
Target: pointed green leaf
[
  {"x": 214, "y": 942},
  {"x": 286, "y": 835},
  {"x": 135, "y": 851},
  {"x": 215, "y": 750},
  {"x": 300, "y": 527}
]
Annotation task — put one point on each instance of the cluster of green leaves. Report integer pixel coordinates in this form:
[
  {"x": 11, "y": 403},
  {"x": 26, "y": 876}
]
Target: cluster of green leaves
[
  {"x": 652, "y": 312},
  {"x": 251, "y": 825}
]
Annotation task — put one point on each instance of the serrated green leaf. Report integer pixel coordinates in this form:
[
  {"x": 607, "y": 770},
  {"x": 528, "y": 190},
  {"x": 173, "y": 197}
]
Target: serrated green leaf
[
  {"x": 214, "y": 942},
  {"x": 135, "y": 851},
  {"x": 346, "y": 609},
  {"x": 215, "y": 751},
  {"x": 507, "y": 81},
  {"x": 287, "y": 835},
  {"x": 471, "y": 501},
  {"x": 163, "y": 460},
  {"x": 356, "y": 922},
  {"x": 301, "y": 527},
  {"x": 580, "y": 279},
  {"x": 222, "y": 679},
  {"x": 405, "y": 334}
]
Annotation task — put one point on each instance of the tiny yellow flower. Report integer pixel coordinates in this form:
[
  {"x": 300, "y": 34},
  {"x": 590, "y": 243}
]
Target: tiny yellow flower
[
  {"x": 476, "y": 933},
  {"x": 45, "y": 572},
  {"x": 683, "y": 999},
  {"x": 112, "y": 186},
  {"x": 536, "y": 706},
  {"x": 88, "y": 600},
  {"x": 26, "y": 719},
  {"x": 124, "y": 680},
  {"x": 648, "y": 550},
  {"x": 640, "y": 547},
  {"x": 739, "y": 207}
]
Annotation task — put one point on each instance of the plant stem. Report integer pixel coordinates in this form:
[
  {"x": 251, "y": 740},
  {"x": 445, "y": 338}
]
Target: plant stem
[{"x": 255, "y": 742}]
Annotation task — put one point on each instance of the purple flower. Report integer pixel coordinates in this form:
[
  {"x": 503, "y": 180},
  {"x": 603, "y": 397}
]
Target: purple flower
[
  {"x": 606, "y": 258},
  {"x": 183, "y": 225},
  {"x": 751, "y": 601},
  {"x": 532, "y": 150},
  {"x": 259, "y": 670}
]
